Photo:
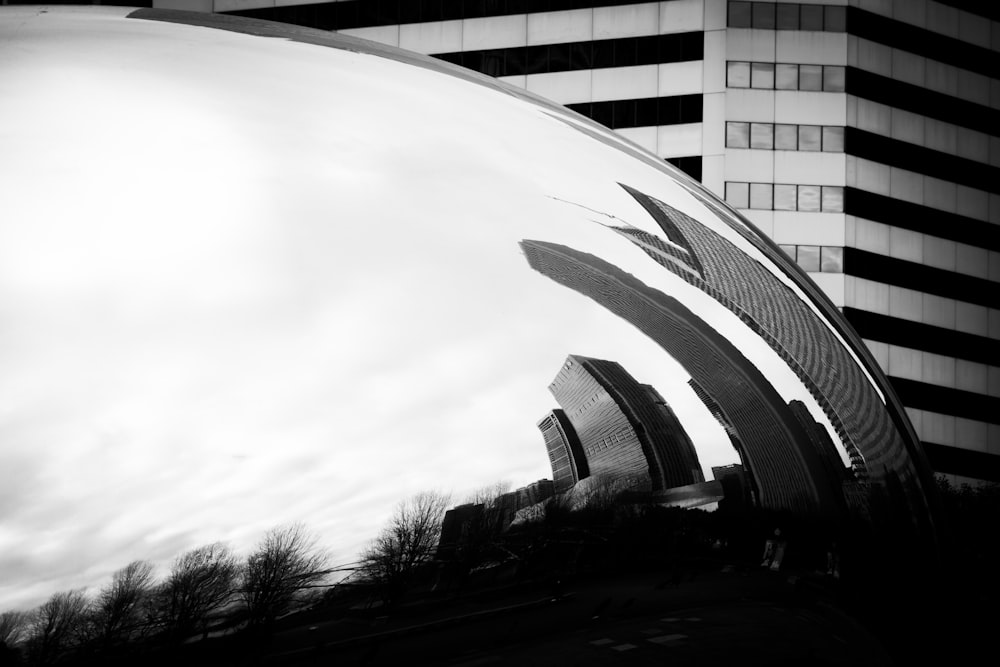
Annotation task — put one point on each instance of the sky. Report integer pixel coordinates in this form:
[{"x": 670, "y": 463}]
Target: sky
[{"x": 246, "y": 282}]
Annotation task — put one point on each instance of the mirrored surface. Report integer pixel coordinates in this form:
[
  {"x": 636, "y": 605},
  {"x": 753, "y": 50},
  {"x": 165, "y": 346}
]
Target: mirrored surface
[{"x": 252, "y": 273}]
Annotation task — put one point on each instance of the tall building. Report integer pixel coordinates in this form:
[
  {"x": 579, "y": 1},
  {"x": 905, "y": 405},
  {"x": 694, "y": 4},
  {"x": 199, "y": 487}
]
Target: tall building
[
  {"x": 569, "y": 464},
  {"x": 860, "y": 135},
  {"x": 625, "y": 428}
]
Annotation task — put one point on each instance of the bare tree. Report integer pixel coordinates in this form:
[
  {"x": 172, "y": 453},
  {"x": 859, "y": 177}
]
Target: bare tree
[
  {"x": 285, "y": 563},
  {"x": 201, "y": 582},
  {"x": 116, "y": 611},
  {"x": 13, "y": 628},
  {"x": 55, "y": 626},
  {"x": 409, "y": 541},
  {"x": 480, "y": 536}
]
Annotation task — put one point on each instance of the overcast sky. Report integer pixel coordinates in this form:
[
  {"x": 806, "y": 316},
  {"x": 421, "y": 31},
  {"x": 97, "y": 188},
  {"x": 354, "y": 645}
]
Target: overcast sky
[{"x": 245, "y": 282}]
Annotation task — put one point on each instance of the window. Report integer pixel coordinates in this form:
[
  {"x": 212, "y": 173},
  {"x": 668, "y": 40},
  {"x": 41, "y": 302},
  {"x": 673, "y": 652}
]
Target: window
[
  {"x": 762, "y": 136},
  {"x": 786, "y": 137},
  {"x": 737, "y": 135},
  {"x": 787, "y": 17},
  {"x": 809, "y": 137},
  {"x": 808, "y": 257},
  {"x": 738, "y": 194},
  {"x": 784, "y": 197},
  {"x": 786, "y": 77},
  {"x": 763, "y": 16},
  {"x": 833, "y": 198},
  {"x": 788, "y": 250},
  {"x": 739, "y": 15},
  {"x": 833, "y": 139},
  {"x": 762, "y": 75},
  {"x": 810, "y": 77},
  {"x": 833, "y": 79},
  {"x": 760, "y": 195},
  {"x": 809, "y": 199},
  {"x": 738, "y": 75},
  {"x": 834, "y": 18},
  {"x": 831, "y": 260},
  {"x": 811, "y": 17}
]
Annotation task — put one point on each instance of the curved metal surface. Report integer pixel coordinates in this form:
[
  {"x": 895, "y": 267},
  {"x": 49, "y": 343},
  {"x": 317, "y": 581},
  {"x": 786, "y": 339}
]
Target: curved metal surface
[{"x": 356, "y": 272}]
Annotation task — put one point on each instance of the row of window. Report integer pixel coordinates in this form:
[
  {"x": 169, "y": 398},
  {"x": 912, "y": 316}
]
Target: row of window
[
  {"x": 643, "y": 112},
  {"x": 826, "y": 259},
  {"x": 785, "y": 137},
  {"x": 341, "y": 15},
  {"x": 785, "y": 76},
  {"x": 785, "y": 197},
  {"x": 787, "y": 16},
  {"x": 571, "y": 56}
]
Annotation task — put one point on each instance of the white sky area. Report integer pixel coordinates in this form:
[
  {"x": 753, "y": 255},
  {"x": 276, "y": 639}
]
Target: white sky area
[{"x": 246, "y": 282}]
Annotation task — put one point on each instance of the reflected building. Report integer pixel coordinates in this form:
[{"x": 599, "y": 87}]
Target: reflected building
[
  {"x": 625, "y": 428},
  {"x": 788, "y": 476},
  {"x": 735, "y": 487},
  {"x": 860, "y": 136},
  {"x": 569, "y": 464}
]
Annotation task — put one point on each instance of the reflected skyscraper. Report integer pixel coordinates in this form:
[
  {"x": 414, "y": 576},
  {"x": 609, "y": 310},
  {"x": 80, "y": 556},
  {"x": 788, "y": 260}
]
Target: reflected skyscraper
[
  {"x": 569, "y": 464},
  {"x": 787, "y": 476},
  {"x": 625, "y": 428}
]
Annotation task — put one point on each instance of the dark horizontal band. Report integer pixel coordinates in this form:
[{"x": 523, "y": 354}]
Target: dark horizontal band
[
  {"x": 365, "y": 13},
  {"x": 947, "y": 401},
  {"x": 923, "y": 42},
  {"x": 920, "y": 277},
  {"x": 990, "y": 10},
  {"x": 923, "y": 101},
  {"x": 920, "y": 159},
  {"x": 926, "y": 337},
  {"x": 919, "y": 218},
  {"x": 964, "y": 462},
  {"x": 643, "y": 112},
  {"x": 571, "y": 56},
  {"x": 689, "y": 164}
]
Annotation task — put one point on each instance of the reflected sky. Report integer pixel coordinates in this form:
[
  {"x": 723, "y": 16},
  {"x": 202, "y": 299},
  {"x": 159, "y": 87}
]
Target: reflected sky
[{"x": 246, "y": 281}]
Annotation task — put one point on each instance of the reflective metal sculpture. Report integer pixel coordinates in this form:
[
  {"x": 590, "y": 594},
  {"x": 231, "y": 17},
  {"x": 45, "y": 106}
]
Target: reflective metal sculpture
[{"x": 368, "y": 264}]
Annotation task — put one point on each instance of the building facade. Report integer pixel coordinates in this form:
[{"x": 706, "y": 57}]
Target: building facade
[
  {"x": 569, "y": 465},
  {"x": 625, "y": 429},
  {"x": 860, "y": 136}
]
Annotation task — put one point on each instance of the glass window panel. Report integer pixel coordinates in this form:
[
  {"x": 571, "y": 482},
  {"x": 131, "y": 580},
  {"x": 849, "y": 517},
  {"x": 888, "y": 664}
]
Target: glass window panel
[
  {"x": 831, "y": 260},
  {"x": 762, "y": 136},
  {"x": 786, "y": 77},
  {"x": 788, "y": 17},
  {"x": 763, "y": 15},
  {"x": 739, "y": 14},
  {"x": 738, "y": 194},
  {"x": 833, "y": 198},
  {"x": 833, "y": 139},
  {"x": 811, "y": 17},
  {"x": 810, "y": 77},
  {"x": 833, "y": 79},
  {"x": 808, "y": 198},
  {"x": 784, "y": 197},
  {"x": 738, "y": 75},
  {"x": 762, "y": 75},
  {"x": 809, "y": 137},
  {"x": 808, "y": 257},
  {"x": 760, "y": 195},
  {"x": 786, "y": 137},
  {"x": 788, "y": 250},
  {"x": 834, "y": 18},
  {"x": 737, "y": 135}
]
